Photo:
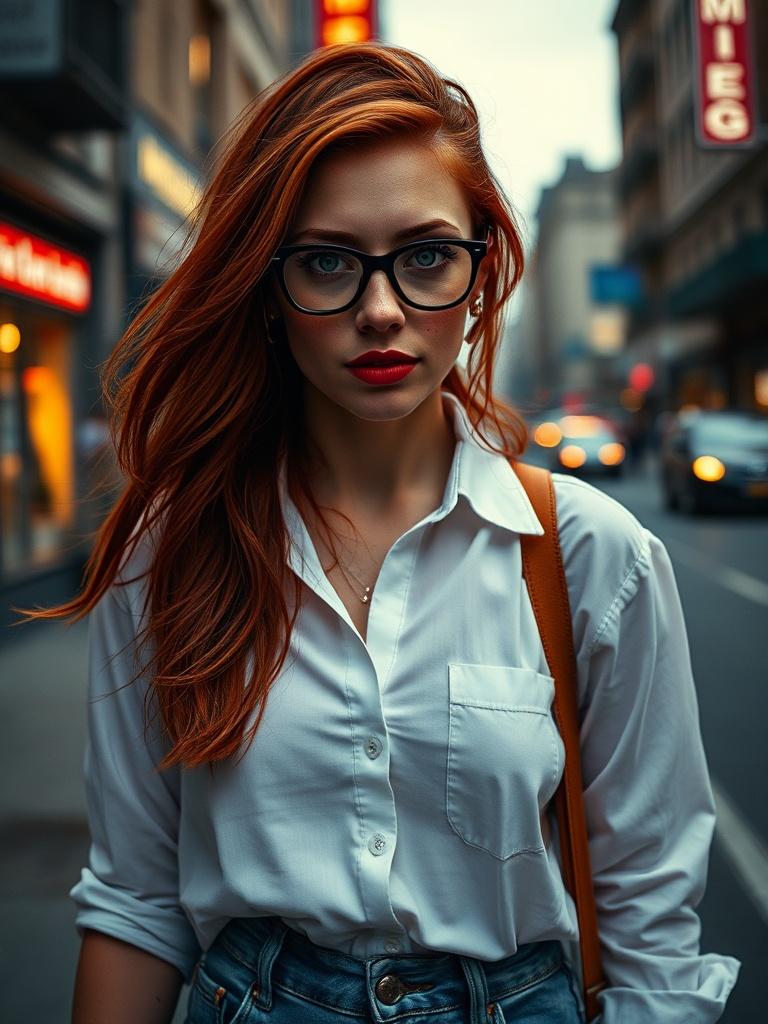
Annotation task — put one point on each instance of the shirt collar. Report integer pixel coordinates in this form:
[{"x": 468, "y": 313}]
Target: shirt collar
[
  {"x": 485, "y": 478},
  {"x": 480, "y": 475}
]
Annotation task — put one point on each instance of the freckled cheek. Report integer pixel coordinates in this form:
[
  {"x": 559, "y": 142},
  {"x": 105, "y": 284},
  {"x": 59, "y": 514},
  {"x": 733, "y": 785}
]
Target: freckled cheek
[{"x": 446, "y": 328}]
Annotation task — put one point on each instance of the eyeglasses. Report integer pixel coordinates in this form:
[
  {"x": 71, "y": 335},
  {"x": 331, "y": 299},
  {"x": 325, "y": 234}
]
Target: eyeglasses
[{"x": 435, "y": 273}]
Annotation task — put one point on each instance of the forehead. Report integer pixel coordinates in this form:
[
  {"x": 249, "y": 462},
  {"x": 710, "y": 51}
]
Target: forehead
[{"x": 379, "y": 187}]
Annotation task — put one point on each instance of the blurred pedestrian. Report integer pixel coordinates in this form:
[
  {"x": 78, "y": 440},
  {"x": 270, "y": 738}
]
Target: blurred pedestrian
[{"x": 322, "y": 751}]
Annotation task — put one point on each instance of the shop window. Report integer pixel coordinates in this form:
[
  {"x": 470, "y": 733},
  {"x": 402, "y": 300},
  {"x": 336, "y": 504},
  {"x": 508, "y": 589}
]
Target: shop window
[{"x": 37, "y": 470}]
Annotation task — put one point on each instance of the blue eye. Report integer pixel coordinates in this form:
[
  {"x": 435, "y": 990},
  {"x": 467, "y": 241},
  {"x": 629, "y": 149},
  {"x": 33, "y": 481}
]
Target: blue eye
[
  {"x": 430, "y": 257},
  {"x": 323, "y": 263}
]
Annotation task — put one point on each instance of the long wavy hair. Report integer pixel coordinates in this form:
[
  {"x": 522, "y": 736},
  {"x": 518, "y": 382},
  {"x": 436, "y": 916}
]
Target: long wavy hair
[{"x": 203, "y": 411}]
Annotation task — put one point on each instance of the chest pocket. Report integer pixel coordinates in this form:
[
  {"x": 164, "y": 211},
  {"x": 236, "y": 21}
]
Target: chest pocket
[{"x": 505, "y": 756}]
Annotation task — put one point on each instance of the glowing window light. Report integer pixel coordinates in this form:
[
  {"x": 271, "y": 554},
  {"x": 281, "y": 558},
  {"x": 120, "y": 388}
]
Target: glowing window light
[
  {"x": 611, "y": 454},
  {"x": 10, "y": 338},
  {"x": 708, "y": 468},
  {"x": 572, "y": 456},
  {"x": 548, "y": 435},
  {"x": 199, "y": 59}
]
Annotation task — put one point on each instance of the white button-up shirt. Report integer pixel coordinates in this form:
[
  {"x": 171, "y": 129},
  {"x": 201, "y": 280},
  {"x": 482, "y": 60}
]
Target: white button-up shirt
[{"x": 396, "y": 796}]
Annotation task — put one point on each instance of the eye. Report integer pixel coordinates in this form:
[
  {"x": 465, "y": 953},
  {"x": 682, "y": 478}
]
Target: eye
[
  {"x": 429, "y": 257},
  {"x": 323, "y": 262}
]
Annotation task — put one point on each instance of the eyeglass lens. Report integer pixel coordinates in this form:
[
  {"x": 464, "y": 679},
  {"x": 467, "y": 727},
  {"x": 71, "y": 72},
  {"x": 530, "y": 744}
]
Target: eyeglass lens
[{"x": 430, "y": 275}]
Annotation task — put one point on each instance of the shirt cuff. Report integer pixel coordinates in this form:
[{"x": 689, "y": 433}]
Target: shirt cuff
[
  {"x": 164, "y": 931},
  {"x": 704, "y": 1002}
]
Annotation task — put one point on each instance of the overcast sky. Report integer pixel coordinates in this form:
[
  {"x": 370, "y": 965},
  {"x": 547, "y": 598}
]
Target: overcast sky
[{"x": 542, "y": 73}]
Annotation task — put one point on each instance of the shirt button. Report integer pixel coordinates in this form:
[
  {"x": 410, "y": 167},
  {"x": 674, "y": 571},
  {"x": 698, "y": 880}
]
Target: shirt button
[
  {"x": 392, "y": 946},
  {"x": 373, "y": 747},
  {"x": 377, "y": 844}
]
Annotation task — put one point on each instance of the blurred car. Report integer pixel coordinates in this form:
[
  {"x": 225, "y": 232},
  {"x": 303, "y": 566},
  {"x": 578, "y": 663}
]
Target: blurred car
[
  {"x": 579, "y": 443},
  {"x": 714, "y": 458}
]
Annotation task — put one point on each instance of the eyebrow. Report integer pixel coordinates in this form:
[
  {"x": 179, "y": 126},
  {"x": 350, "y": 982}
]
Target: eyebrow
[{"x": 345, "y": 238}]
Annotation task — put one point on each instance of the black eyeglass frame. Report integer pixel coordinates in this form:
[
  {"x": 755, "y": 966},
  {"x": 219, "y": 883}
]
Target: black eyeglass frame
[{"x": 386, "y": 262}]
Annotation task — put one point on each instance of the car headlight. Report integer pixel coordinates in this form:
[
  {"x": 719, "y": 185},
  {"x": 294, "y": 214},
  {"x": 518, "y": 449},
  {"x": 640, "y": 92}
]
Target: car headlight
[
  {"x": 572, "y": 456},
  {"x": 611, "y": 454},
  {"x": 708, "y": 468}
]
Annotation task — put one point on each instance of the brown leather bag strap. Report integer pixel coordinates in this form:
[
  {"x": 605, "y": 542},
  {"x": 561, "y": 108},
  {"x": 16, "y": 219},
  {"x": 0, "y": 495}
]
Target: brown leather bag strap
[{"x": 545, "y": 579}]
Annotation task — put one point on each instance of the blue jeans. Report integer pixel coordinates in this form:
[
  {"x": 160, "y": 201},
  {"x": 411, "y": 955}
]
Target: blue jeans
[{"x": 259, "y": 970}]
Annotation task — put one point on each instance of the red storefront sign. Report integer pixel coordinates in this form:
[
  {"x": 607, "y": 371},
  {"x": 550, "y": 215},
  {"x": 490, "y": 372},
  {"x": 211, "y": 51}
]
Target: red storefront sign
[
  {"x": 725, "y": 109},
  {"x": 35, "y": 268},
  {"x": 345, "y": 21}
]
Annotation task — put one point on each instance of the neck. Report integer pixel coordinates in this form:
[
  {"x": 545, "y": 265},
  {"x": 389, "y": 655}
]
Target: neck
[{"x": 377, "y": 466}]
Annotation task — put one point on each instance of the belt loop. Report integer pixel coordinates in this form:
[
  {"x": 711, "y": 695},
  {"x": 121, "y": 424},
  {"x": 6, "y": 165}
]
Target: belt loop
[
  {"x": 478, "y": 990},
  {"x": 262, "y": 987}
]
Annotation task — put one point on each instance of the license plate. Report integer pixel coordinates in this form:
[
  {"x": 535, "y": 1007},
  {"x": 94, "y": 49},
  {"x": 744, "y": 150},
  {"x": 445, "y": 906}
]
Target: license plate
[{"x": 758, "y": 490}]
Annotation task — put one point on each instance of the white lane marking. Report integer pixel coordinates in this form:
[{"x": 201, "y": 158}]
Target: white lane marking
[
  {"x": 744, "y": 849},
  {"x": 738, "y": 582}
]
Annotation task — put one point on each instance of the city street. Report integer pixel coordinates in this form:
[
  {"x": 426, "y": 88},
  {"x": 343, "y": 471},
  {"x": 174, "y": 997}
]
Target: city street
[{"x": 721, "y": 563}]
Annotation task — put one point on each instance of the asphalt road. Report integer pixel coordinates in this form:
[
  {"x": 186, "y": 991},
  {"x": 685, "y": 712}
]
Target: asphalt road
[{"x": 721, "y": 564}]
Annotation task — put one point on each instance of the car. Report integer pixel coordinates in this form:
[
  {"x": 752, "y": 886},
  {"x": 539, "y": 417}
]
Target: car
[
  {"x": 579, "y": 444},
  {"x": 713, "y": 458}
]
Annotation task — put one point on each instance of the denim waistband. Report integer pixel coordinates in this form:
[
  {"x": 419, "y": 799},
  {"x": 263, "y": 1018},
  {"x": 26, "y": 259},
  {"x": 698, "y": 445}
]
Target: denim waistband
[{"x": 263, "y": 952}]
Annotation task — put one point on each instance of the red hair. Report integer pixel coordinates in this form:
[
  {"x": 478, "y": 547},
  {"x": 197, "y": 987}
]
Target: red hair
[{"x": 203, "y": 410}]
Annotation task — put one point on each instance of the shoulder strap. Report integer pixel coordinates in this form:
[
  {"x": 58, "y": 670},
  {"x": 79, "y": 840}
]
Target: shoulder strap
[{"x": 545, "y": 578}]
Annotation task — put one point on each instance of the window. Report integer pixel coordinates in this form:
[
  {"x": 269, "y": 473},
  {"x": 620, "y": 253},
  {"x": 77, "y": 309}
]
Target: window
[{"x": 37, "y": 472}]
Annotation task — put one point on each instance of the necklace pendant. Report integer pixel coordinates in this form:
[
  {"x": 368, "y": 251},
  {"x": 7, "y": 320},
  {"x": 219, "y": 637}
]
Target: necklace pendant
[{"x": 364, "y": 597}]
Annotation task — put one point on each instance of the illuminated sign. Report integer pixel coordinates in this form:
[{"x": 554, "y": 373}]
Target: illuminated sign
[
  {"x": 165, "y": 176},
  {"x": 725, "y": 111},
  {"x": 345, "y": 21},
  {"x": 35, "y": 268}
]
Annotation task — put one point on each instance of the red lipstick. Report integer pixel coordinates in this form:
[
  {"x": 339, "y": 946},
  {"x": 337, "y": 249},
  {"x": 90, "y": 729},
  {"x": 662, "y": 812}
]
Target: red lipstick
[{"x": 379, "y": 368}]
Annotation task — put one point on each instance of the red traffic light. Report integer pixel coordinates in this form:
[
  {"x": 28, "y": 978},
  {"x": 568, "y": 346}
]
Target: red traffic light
[{"x": 641, "y": 377}]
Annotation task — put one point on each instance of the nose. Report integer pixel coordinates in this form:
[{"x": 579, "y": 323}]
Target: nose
[{"x": 379, "y": 308}]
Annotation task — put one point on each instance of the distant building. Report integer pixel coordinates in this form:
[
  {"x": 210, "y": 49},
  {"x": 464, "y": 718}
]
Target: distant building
[
  {"x": 567, "y": 341},
  {"x": 695, "y": 215}
]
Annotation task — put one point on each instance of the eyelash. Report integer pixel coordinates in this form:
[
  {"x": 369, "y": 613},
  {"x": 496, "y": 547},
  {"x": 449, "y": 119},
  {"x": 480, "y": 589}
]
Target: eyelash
[{"x": 307, "y": 257}]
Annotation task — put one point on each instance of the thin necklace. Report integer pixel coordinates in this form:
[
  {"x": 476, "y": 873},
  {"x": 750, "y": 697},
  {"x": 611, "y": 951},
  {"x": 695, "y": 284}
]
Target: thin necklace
[{"x": 366, "y": 594}]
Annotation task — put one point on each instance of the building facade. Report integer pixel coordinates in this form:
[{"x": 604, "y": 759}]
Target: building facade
[
  {"x": 566, "y": 339},
  {"x": 108, "y": 115},
  {"x": 695, "y": 215}
]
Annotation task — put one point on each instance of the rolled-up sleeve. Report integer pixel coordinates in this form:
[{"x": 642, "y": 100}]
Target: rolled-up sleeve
[
  {"x": 130, "y": 887},
  {"x": 648, "y": 799}
]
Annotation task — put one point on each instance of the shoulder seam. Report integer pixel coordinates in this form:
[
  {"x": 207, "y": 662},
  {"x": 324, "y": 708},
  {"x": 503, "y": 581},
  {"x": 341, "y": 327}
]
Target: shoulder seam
[{"x": 608, "y": 615}]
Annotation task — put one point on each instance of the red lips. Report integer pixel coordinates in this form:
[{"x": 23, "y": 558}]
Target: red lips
[{"x": 389, "y": 358}]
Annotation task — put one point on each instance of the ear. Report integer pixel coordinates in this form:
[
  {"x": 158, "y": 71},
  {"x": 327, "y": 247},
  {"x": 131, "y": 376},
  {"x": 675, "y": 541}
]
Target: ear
[{"x": 482, "y": 272}]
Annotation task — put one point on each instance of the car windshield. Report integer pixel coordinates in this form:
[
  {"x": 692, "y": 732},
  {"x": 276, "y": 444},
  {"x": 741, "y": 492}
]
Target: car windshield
[
  {"x": 585, "y": 427},
  {"x": 752, "y": 432}
]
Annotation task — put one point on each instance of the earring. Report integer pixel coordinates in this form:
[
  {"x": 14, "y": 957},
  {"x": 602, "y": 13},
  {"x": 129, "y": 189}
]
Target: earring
[
  {"x": 476, "y": 307},
  {"x": 269, "y": 322}
]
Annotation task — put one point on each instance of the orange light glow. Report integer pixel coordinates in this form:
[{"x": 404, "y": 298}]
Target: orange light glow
[
  {"x": 572, "y": 456},
  {"x": 611, "y": 454},
  {"x": 351, "y": 29},
  {"x": 708, "y": 468},
  {"x": 581, "y": 426},
  {"x": 10, "y": 338},
  {"x": 548, "y": 435},
  {"x": 345, "y": 6},
  {"x": 631, "y": 400}
]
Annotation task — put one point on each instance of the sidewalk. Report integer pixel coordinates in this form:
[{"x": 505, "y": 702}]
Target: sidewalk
[
  {"x": 43, "y": 831},
  {"x": 43, "y": 826}
]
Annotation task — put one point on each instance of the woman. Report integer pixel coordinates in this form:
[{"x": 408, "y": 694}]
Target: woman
[{"x": 311, "y": 586}]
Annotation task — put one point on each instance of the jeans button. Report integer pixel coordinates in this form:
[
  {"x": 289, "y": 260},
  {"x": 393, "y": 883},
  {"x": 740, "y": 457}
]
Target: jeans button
[{"x": 389, "y": 989}]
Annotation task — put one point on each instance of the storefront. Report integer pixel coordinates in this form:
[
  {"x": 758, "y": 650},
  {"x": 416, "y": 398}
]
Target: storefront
[{"x": 45, "y": 297}]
